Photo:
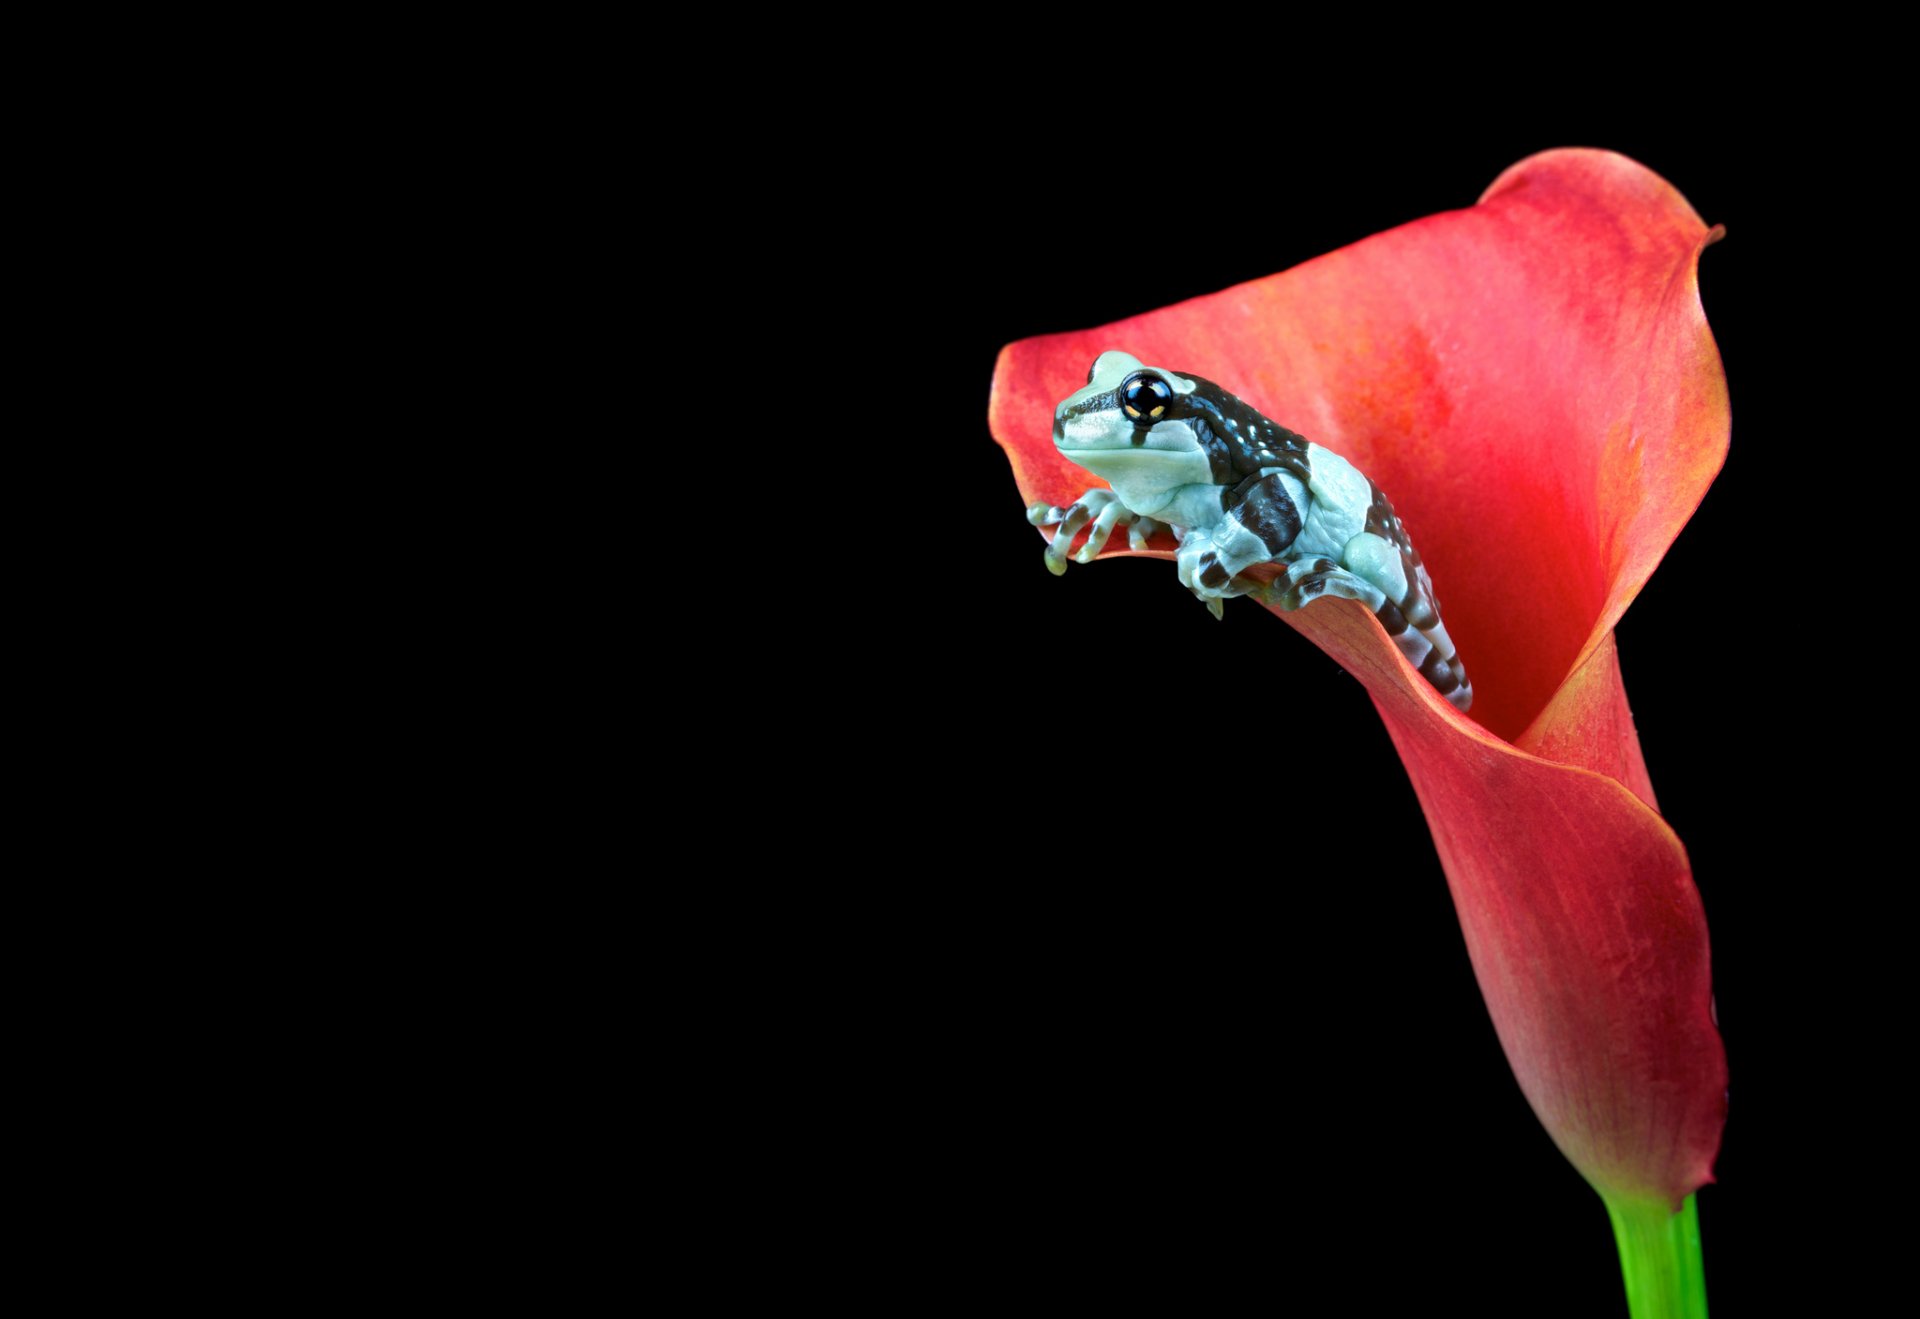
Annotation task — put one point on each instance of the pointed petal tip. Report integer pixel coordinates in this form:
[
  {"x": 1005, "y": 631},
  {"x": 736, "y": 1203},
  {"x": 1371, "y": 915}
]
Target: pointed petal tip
[
  {"x": 1607, "y": 176},
  {"x": 1493, "y": 369}
]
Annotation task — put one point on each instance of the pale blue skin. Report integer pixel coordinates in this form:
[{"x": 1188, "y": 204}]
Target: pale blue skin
[{"x": 1164, "y": 476}]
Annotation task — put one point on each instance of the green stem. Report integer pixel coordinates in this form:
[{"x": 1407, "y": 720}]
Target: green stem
[{"x": 1660, "y": 1259}]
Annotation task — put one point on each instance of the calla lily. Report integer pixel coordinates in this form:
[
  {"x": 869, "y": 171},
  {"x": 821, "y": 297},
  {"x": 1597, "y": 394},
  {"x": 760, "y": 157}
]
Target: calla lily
[{"x": 1533, "y": 383}]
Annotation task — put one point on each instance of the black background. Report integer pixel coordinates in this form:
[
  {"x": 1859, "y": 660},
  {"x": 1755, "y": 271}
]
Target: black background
[{"x": 1148, "y": 1032}]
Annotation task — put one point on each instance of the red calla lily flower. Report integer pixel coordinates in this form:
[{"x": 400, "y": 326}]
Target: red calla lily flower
[{"x": 1532, "y": 382}]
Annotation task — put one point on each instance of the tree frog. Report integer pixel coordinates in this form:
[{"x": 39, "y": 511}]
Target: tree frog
[{"x": 1237, "y": 490}]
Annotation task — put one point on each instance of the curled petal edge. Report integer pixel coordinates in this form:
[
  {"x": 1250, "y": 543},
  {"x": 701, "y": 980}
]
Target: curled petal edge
[{"x": 1575, "y": 897}]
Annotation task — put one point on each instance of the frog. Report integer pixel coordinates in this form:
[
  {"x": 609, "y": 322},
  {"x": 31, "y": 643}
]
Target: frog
[{"x": 1237, "y": 491}]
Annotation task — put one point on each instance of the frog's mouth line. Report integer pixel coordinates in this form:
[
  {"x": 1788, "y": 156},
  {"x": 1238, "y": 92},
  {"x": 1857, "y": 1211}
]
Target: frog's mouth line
[{"x": 1129, "y": 451}]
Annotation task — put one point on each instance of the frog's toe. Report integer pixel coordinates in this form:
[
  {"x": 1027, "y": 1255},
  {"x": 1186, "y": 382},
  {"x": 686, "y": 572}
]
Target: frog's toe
[
  {"x": 1204, "y": 574},
  {"x": 1142, "y": 530},
  {"x": 1075, "y": 518},
  {"x": 1042, "y": 514},
  {"x": 1307, "y": 580},
  {"x": 1110, "y": 517}
]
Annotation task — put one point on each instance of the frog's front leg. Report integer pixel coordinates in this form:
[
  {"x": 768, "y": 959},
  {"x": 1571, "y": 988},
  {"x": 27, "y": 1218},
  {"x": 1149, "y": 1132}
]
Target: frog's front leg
[
  {"x": 1104, "y": 509},
  {"x": 1257, "y": 524},
  {"x": 1211, "y": 560}
]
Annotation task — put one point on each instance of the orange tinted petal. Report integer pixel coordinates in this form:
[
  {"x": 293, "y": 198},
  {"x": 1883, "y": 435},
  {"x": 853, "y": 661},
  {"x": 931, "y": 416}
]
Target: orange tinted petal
[
  {"x": 1530, "y": 380},
  {"x": 1533, "y": 384}
]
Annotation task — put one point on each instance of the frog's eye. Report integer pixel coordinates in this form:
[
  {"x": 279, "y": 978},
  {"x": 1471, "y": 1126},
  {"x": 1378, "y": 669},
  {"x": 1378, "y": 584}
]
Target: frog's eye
[{"x": 1145, "y": 397}]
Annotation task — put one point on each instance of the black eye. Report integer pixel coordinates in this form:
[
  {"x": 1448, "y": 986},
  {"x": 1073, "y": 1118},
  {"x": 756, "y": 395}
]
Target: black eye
[{"x": 1145, "y": 397}]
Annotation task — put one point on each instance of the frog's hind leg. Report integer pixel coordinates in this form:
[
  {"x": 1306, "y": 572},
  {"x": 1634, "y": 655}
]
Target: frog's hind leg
[
  {"x": 1412, "y": 621},
  {"x": 1307, "y": 580},
  {"x": 1430, "y": 650},
  {"x": 1409, "y": 613}
]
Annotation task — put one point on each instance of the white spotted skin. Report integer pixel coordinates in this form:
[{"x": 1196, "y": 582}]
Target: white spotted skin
[
  {"x": 1161, "y": 469},
  {"x": 1167, "y": 476}
]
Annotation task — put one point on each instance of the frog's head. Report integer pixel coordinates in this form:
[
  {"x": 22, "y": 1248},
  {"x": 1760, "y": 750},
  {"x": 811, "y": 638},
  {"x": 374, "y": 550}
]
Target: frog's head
[{"x": 1128, "y": 425}]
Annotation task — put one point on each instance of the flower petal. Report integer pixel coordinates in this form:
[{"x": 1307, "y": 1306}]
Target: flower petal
[
  {"x": 1533, "y": 384},
  {"x": 1584, "y": 927},
  {"x": 1531, "y": 381},
  {"x": 1588, "y": 724}
]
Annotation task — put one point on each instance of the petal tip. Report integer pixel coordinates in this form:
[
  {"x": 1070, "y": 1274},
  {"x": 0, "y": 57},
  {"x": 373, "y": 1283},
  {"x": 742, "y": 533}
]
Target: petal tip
[{"x": 1595, "y": 171}]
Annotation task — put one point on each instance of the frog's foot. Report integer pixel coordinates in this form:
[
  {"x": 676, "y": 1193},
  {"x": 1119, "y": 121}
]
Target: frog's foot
[
  {"x": 1104, "y": 509},
  {"x": 1143, "y": 530},
  {"x": 1307, "y": 580},
  {"x": 1211, "y": 567}
]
